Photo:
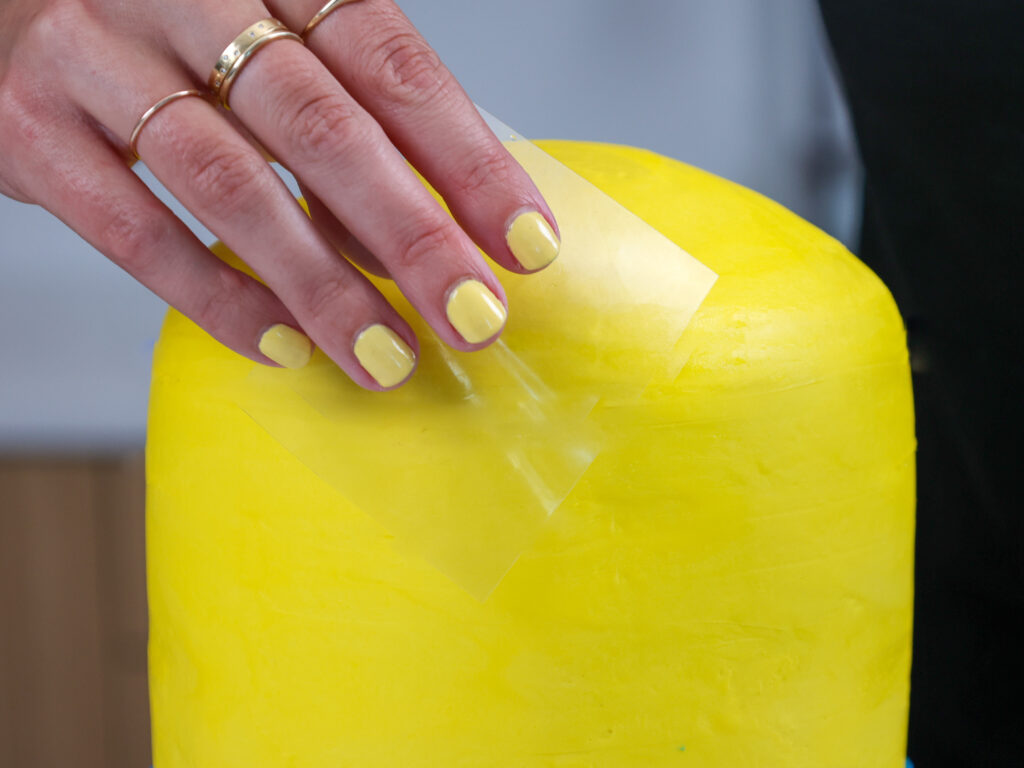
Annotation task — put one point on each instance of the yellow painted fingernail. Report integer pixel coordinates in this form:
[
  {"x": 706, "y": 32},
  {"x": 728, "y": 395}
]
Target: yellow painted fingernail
[
  {"x": 475, "y": 312},
  {"x": 384, "y": 355},
  {"x": 532, "y": 241},
  {"x": 286, "y": 346}
]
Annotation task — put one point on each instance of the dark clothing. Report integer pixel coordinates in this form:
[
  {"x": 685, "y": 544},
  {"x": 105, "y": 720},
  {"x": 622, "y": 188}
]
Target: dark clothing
[{"x": 936, "y": 91}]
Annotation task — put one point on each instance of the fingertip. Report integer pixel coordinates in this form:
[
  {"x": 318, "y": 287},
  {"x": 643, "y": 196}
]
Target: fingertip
[
  {"x": 476, "y": 313},
  {"x": 285, "y": 346},
  {"x": 532, "y": 239},
  {"x": 388, "y": 358}
]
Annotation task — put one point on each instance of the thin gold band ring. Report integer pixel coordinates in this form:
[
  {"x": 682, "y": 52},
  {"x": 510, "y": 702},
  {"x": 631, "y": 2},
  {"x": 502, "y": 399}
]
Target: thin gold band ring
[
  {"x": 241, "y": 50},
  {"x": 133, "y": 141},
  {"x": 323, "y": 13}
]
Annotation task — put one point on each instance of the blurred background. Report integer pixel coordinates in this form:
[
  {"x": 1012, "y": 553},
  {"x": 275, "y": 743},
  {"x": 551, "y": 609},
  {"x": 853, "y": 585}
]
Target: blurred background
[{"x": 742, "y": 88}]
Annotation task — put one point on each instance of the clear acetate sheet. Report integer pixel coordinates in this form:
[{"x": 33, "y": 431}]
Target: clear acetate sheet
[{"x": 465, "y": 462}]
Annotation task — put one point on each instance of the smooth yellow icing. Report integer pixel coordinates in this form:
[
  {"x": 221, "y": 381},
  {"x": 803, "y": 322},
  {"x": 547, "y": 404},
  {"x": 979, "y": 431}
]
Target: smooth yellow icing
[
  {"x": 729, "y": 584},
  {"x": 519, "y": 408}
]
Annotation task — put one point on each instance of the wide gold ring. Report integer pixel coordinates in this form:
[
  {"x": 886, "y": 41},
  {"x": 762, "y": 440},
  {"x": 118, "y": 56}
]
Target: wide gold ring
[
  {"x": 133, "y": 141},
  {"x": 241, "y": 50},
  {"x": 323, "y": 13}
]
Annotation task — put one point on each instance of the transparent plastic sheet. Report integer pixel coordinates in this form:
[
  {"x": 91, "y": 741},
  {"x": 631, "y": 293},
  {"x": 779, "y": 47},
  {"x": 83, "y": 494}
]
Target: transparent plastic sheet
[
  {"x": 521, "y": 405},
  {"x": 614, "y": 269},
  {"x": 530, "y": 446}
]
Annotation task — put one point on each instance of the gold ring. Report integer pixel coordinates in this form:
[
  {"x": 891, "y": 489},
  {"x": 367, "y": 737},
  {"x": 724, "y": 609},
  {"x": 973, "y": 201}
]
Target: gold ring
[
  {"x": 323, "y": 13},
  {"x": 230, "y": 63},
  {"x": 148, "y": 114}
]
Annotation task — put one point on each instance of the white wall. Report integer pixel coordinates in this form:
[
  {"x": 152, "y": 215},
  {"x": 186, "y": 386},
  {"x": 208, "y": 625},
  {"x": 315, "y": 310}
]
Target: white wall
[{"x": 739, "y": 87}]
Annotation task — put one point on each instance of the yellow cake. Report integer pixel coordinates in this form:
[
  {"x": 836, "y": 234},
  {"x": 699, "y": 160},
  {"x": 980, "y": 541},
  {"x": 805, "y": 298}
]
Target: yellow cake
[{"x": 728, "y": 584}]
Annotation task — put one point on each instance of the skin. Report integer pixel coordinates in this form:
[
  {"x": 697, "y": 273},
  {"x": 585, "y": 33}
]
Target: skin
[{"x": 343, "y": 113}]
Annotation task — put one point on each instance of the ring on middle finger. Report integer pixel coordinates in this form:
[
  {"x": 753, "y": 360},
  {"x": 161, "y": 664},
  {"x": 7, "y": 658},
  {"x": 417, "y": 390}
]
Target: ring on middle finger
[{"x": 241, "y": 50}]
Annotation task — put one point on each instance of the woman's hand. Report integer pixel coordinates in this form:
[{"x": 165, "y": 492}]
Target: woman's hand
[{"x": 339, "y": 112}]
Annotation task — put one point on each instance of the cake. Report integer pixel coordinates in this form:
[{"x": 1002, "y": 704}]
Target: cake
[{"x": 728, "y": 583}]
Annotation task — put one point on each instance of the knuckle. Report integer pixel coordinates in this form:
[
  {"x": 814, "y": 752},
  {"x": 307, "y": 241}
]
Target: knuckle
[
  {"x": 323, "y": 122},
  {"x": 52, "y": 28},
  {"x": 54, "y": 25},
  {"x": 220, "y": 307},
  {"x": 490, "y": 167},
  {"x": 135, "y": 238},
  {"x": 324, "y": 296},
  {"x": 407, "y": 68},
  {"x": 423, "y": 242},
  {"x": 223, "y": 176}
]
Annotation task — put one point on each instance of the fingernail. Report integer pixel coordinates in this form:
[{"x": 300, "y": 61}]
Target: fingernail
[
  {"x": 286, "y": 346},
  {"x": 532, "y": 241},
  {"x": 475, "y": 312},
  {"x": 384, "y": 355}
]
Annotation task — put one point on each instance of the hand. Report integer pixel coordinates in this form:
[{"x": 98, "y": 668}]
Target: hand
[{"x": 339, "y": 112}]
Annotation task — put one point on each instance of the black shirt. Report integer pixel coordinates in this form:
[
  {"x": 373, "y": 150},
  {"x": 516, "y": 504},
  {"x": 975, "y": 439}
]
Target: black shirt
[{"x": 936, "y": 91}]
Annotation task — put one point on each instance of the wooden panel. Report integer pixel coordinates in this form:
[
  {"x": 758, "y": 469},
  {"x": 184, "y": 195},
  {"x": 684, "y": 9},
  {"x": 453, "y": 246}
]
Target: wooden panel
[
  {"x": 121, "y": 556},
  {"x": 72, "y": 614}
]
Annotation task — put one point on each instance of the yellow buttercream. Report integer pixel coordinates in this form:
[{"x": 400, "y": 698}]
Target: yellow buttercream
[{"x": 729, "y": 584}]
